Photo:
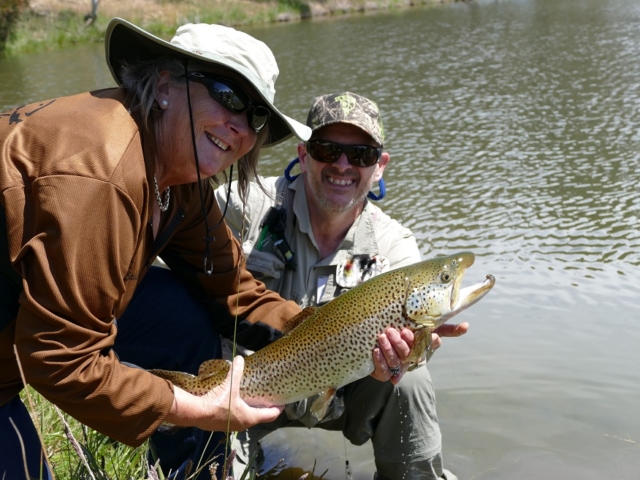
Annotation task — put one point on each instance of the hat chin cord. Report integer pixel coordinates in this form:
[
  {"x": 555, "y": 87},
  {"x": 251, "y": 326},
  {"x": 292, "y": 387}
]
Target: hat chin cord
[{"x": 208, "y": 259}]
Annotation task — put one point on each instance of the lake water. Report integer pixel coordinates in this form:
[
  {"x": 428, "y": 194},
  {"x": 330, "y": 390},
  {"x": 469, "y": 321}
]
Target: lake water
[{"x": 514, "y": 132}]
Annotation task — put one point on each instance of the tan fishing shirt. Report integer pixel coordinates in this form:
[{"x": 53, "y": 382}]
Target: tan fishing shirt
[
  {"x": 76, "y": 203},
  {"x": 315, "y": 281}
]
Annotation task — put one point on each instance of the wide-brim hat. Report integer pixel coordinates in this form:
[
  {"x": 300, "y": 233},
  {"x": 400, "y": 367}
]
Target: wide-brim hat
[{"x": 205, "y": 43}]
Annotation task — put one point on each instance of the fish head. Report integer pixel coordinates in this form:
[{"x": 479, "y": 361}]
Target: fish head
[{"x": 434, "y": 292}]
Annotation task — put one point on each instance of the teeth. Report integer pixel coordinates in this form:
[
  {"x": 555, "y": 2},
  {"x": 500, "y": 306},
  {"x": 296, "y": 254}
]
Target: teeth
[
  {"x": 218, "y": 142},
  {"x": 337, "y": 181}
]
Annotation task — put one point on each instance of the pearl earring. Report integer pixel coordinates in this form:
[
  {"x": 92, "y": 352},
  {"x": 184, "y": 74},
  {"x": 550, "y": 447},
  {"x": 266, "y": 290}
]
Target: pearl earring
[{"x": 164, "y": 104}]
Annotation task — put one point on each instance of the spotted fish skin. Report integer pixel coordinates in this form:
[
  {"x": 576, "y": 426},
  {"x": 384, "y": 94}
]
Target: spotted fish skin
[{"x": 332, "y": 346}]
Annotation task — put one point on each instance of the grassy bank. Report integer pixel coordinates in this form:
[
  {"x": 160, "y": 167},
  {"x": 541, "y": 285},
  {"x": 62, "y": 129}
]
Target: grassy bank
[
  {"x": 51, "y": 24},
  {"x": 76, "y": 452}
]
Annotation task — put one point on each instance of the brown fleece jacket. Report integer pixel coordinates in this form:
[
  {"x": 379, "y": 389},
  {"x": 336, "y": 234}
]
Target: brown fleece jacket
[{"x": 76, "y": 193}]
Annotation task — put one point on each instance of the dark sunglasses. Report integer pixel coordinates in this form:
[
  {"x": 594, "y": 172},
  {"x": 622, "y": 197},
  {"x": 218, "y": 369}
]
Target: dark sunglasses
[
  {"x": 329, "y": 152},
  {"x": 233, "y": 97}
]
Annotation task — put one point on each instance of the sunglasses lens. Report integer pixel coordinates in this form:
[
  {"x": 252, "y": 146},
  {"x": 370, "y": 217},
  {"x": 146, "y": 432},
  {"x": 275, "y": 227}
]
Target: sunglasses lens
[
  {"x": 325, "y": 152},
  {"x": 232, "y": 97},
  {"x": 357, "y": 155},
  {"x": 227, "y": 96},
  {"x": 259, "y": 117},
  {"x": 363, "y": 155}
]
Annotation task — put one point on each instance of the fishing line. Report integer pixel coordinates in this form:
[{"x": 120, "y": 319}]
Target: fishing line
[
  {"x": 347, "y": 467},
  {"x": 228, "y": 432}
]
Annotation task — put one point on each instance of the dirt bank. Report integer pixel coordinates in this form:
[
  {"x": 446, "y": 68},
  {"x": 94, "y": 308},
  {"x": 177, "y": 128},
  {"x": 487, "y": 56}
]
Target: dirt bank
[{"x": 238, "y": 11}]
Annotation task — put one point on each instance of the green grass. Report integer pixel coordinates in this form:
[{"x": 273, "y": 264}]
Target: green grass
[
  {"x": 76, "y": 452},
  {"x": 38, "y": 31}
]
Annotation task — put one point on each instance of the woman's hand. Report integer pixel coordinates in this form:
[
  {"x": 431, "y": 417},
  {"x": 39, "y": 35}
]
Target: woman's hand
[{"x": 220, "y": 409}]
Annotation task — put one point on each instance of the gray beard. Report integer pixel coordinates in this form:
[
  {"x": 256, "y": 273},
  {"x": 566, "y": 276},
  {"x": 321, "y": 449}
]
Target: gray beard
[{"x": 334, "y": 207}]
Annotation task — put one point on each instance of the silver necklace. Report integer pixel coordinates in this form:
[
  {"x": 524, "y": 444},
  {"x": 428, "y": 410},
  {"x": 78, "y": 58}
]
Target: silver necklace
[{"x": 167, "y": 195}]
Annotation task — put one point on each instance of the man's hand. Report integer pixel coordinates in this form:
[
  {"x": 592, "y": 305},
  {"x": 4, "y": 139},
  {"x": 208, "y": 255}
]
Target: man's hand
[
  {"x": 445, "y": 330},
  {"x": 390, "y": 354}
]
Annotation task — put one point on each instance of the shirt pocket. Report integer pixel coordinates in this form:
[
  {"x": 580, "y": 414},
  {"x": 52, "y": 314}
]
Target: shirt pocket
[{"x": 264, "y": 265}]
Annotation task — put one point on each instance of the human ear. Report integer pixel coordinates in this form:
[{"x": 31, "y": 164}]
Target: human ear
[
  {"x": 163, "y": 90},
  {"x": 302, "y": 156},
  {"x": 380, "y": 166}
]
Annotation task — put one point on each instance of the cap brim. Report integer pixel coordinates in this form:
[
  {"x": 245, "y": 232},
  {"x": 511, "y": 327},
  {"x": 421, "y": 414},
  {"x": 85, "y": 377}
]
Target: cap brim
[{"x": 126, "y": 43}]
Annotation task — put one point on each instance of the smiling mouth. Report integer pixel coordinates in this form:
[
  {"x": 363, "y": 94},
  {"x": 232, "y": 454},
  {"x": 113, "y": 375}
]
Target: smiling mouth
[
  {"x": 219, "y": 143},
  {"x": 344, "y": 182}
]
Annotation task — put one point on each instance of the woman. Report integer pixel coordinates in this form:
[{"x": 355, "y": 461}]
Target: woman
[{"x": 94, "y": 187}]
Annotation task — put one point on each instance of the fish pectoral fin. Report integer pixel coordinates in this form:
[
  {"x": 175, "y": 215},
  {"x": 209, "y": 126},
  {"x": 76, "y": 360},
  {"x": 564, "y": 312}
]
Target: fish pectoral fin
[
  {"x": 321, "y": 403},
  {"x": 421, "y": 341},
  {"x": 214, "y": 366},
  {"x": 292, "y": 323}
]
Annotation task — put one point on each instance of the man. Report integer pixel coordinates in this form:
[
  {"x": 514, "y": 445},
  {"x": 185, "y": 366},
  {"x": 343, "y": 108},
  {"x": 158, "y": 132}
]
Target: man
[{"x": 301, "y": 236}]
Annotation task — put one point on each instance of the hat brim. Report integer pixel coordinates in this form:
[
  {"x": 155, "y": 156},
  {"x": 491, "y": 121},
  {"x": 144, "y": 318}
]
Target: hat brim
[{"x": 126, "y": 43}]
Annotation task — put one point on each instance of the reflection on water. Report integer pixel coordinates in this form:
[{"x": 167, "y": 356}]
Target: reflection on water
[
  {"x": 514, "y": 131},
  {"x": 44, "y": 75}
]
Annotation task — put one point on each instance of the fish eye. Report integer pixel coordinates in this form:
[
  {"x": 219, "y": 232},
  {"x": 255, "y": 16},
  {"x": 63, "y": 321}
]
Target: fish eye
[{"x": 445, "y": 276}]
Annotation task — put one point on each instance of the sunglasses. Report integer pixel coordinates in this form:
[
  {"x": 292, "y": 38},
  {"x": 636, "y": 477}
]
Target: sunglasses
[
  {"x": 233, "y": 97},
  {"x": 357, "y": 155}
]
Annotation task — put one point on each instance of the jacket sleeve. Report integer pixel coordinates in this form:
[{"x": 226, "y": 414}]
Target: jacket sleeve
[
  {"x": 239, "y": 303},
  {"x": 74, "y": 260}
]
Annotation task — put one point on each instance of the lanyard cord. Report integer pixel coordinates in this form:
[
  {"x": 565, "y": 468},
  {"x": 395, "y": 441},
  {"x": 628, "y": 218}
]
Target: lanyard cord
[{"x": 208, "y": 260}]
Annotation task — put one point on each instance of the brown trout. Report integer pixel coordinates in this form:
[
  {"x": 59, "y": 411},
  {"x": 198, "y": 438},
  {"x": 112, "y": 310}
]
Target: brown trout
[{"x": 330, "y": 346}]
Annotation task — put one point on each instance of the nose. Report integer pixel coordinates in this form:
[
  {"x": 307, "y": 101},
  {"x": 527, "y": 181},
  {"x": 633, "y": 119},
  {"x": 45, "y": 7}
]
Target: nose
[
  {"x": 342, "y": 163},
  {"x": 239, "y": 123}
]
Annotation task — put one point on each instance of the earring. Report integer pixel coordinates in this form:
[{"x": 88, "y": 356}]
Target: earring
[{"x": 164, "y": 104}]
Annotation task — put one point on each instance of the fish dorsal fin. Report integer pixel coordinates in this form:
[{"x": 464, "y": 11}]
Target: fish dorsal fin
[
  {"x": 321, "y": 403},
  {"x": 292, "y": 323},
  {"x": 211, "y": 367}
]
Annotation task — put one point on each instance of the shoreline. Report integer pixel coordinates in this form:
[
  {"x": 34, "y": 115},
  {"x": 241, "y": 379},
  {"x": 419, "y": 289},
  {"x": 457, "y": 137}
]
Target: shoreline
[{"x": 53, "y": 24}]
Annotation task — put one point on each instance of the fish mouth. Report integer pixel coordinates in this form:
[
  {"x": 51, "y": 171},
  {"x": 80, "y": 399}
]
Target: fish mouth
[
  {"x": 463, "y": 298},
  {"x": 462, "y": 261}
]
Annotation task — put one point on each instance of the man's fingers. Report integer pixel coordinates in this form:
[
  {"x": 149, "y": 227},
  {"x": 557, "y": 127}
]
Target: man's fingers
[
  {"x": 456, "y": 330},
  {"x": 389, "y": 354},
  {"x": 381, "y": 371},
  {"x": 400, "y": 342},
  {"x": 408, "y": 336}
]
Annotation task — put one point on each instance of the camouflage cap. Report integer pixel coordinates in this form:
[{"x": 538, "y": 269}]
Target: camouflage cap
[{"x": 350, "y": 108}]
